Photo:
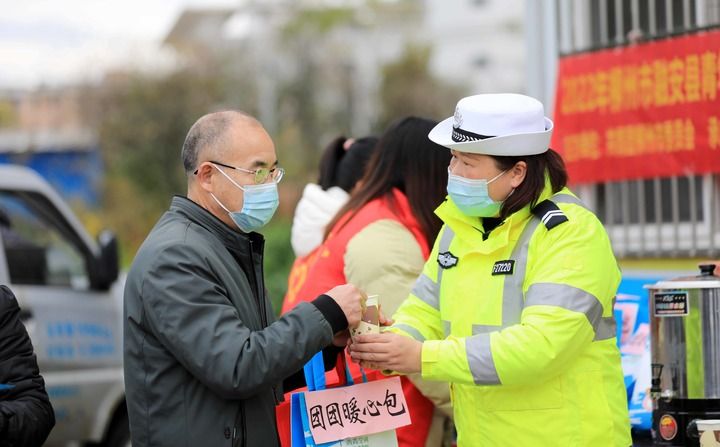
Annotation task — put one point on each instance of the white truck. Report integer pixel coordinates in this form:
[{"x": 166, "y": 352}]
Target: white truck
[{"x": 70, "y": 296}]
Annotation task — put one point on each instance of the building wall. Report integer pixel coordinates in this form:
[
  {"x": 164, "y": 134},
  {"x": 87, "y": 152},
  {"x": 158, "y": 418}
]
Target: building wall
[
  {"x": 57, "y": 110},
  {"x": 479, "y": 43},
  {"x": 49, "y": 133}
]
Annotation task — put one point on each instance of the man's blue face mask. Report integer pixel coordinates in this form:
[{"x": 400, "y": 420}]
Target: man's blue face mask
[
  {"x": 259, "y": 204},
  {"x": 472, "y": 197}
]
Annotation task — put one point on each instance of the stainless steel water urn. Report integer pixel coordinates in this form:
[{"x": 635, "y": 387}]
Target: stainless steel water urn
[{"x": 685, "y": 348}]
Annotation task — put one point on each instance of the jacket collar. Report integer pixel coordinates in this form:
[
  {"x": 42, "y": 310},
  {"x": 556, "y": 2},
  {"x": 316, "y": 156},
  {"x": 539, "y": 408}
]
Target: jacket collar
[
  {"x": 230, "y": 237},
  {"x": 471, "y": 230}
]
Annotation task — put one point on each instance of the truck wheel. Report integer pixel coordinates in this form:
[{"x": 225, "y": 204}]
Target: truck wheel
[{"x": 119, "y": 434}]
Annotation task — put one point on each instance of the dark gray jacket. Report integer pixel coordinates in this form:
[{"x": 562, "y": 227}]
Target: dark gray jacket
[{"x": 204, "y": 357}]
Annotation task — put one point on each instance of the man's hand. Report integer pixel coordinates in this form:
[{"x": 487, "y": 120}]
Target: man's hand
[
  {"x": 351, "y": 300},
  {"x": 340, "y": 339},
  {"x": 387, "y": 351}
]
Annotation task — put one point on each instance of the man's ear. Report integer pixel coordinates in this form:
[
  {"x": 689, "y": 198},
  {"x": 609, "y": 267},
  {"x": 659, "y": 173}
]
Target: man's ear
[
  {"x": 517, "y": 174},
  {"x": 204, "y": 175}
]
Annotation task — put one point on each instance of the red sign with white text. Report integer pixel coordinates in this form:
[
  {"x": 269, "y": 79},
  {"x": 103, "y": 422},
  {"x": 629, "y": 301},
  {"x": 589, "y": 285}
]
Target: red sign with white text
[{"x": 647, "y": 110}]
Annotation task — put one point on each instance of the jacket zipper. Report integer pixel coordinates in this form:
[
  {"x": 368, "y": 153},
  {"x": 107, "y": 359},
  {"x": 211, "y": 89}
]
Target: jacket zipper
[
  {"x": 244, "y": 426},
  {"x": 260, "y": 299},
  {"x": 259, "y": 290},
  {"x": 243, "y": 432},
  {"x": 261, "y": 303}
]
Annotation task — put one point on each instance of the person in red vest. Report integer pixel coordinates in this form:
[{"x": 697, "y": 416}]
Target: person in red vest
[
  {"x": 342, "y": 164},
  {"x": 379, "y": 241}
]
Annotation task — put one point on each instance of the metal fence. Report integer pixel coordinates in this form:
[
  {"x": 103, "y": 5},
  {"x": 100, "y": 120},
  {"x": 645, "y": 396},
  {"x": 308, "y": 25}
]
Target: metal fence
[{"x": 675, "y": 216}]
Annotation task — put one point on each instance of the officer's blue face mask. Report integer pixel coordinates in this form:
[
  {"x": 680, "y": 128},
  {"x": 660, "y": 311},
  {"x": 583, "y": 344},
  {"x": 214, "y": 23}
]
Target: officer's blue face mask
[
  {"x": 472, "y": 197},
  {"x": 259, "y": 204}
]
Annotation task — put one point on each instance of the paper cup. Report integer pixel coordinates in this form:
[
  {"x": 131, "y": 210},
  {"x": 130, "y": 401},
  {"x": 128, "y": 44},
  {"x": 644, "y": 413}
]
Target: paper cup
[
  {"x": 709, "y": 431},
  {"x": 370, "y": 323}
]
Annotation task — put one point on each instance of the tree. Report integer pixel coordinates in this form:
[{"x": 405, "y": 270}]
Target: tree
[
  {"x": 144, "y": 125},
  {"x": 142, "y": 121},
  {"x": 8, "y": 116},
  {"x": 309, "y": 115},
  {"x": 409, "y": 88}
]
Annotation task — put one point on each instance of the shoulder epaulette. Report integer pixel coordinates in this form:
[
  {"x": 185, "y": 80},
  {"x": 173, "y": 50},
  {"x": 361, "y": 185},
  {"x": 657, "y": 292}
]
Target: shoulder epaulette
[{"x": 549, "y": 214}]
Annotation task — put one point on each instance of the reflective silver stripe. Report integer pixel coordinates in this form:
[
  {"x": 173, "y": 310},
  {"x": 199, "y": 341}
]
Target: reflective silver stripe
[
  {"x": 567, "y": 198},
  {"x": 573, "y": 299},
  {"x": 445, "y": 240},
  {"x": 484, "y": 328},
  {"x": 607, "y": 329},
  {"x": 427, "y": 290},
  {"x": 446, "y": 328},
  {"x": 414, "y": 333},
  {"x": 513, "y": 285},
  {"x": 513, "y": 300},
  {"x": 480, "y": 360}
]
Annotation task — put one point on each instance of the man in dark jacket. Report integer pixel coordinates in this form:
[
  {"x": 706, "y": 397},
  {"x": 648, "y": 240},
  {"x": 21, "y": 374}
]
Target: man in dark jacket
[
  {"x": 205, "y": 359},
  {"x": 26, "y": 416}
]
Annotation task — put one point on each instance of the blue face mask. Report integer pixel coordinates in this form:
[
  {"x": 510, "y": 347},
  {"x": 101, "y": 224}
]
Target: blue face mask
[
  {"x": 471, "y": 196},
  {"x": 259, "y": 205}
]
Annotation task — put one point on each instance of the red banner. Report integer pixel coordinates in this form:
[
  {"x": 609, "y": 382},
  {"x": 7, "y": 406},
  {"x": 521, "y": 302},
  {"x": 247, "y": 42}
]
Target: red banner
[{"x": 647, "y": 110}]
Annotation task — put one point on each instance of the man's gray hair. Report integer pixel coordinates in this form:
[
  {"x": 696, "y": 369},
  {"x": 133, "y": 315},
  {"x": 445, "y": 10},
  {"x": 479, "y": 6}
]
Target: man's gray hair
[{"x": 209, "y": 134}]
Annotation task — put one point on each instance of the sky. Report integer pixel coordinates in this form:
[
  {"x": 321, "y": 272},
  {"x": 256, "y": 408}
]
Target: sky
[{"x": 55, "y": 42}]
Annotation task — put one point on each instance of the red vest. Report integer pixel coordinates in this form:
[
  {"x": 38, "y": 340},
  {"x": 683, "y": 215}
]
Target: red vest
[{"x": 324, "y": 268}]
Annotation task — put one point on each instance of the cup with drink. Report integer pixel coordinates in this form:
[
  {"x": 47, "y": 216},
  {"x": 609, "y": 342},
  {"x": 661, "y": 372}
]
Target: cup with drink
[{"x": 370, "y": 323}]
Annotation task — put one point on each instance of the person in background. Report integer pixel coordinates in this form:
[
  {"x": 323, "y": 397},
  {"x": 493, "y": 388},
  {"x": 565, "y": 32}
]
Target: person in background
[
  {"x": 341, "y": 167},
  {"x": 26, "y": 415},
  {"x": 205, "y": 359},
  {"x": 515, "y": 304},
  {"x": 379, "y": 241}
]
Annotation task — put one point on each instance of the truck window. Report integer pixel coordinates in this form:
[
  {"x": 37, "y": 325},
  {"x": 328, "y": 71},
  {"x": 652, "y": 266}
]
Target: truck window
[{"x": 38, "y": 247}]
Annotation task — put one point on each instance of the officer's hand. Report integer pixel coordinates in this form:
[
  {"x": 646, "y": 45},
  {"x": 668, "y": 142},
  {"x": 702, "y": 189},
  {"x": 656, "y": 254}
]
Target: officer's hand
[
  {"x": 384, "y": 321},
  {"x": 351, "y": 300},
  {"x": 387, "y": 351}
]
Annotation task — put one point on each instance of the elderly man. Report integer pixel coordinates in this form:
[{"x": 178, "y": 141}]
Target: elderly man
[{"x": 205, "y": 359}]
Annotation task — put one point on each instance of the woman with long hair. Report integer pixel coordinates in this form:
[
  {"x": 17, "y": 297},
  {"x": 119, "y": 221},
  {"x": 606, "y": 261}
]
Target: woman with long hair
[
  {"x": 379, "y": 241},
  {"x": 341, "y": 166}
]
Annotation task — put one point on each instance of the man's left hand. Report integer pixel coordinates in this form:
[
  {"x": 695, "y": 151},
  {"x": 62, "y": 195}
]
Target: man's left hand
[
  {"x": 387, "y": 351},
  {"x": 340, "y": 339}
]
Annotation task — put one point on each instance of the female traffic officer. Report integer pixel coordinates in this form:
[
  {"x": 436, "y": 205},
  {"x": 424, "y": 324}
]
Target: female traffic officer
[{"x": 514, "y": 305}]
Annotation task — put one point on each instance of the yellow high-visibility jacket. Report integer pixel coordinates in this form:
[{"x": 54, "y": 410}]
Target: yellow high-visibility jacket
[{"x": 520, "y": 322}]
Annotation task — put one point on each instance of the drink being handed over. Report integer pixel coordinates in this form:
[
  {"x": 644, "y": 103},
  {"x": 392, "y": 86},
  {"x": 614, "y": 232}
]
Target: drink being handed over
[{"x": 370, "y": 323}]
